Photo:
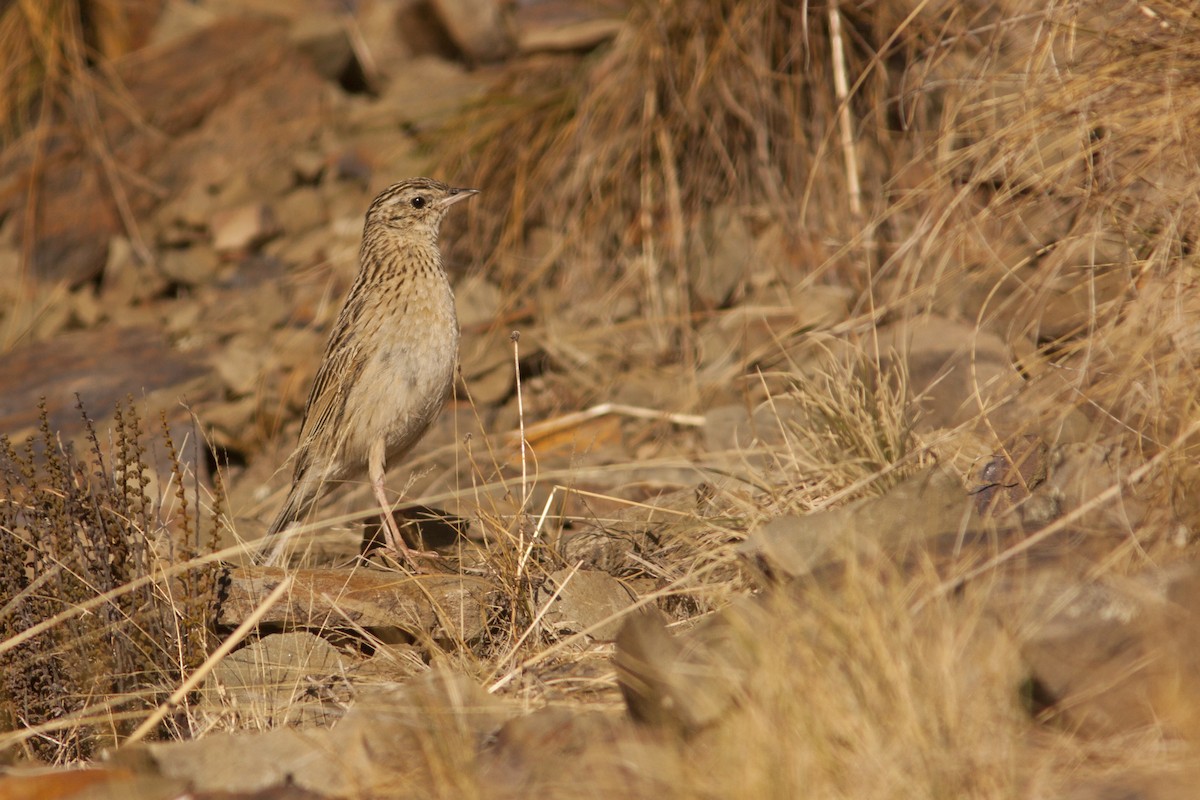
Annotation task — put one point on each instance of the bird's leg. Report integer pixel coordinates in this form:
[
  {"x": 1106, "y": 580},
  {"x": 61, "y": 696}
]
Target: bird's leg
[{"x": 391, "y": 531}]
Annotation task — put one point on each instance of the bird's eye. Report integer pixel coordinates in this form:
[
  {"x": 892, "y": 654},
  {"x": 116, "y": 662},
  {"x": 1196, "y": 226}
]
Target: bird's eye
[{"x": 418, "y": 202}]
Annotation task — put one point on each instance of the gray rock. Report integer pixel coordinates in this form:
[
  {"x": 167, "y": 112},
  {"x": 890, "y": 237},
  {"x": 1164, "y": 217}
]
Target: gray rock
[
  {"x": 243, "y": 228},
  {"x": 322, "y": 37},
  {"x": 191, "y": 266},
  {"x": 286, "y": 678},
  {"x": 301, "y": 210},
  {"x": 477, "y": 27},
  {"x": 589, "y": 601},
  {"x": 929, "y": 505}
]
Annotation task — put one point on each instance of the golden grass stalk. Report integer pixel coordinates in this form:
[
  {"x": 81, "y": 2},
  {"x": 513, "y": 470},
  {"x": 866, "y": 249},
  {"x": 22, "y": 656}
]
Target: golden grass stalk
[{"x": 50, "y": 44}]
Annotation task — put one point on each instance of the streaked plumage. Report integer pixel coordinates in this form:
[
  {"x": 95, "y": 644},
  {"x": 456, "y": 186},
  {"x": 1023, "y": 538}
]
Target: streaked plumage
[{"x": 389, "y": 364}]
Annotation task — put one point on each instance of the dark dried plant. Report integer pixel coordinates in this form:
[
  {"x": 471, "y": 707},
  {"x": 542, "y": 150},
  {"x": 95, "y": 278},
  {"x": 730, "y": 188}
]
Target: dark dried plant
[{"x": 84, "y": 545}]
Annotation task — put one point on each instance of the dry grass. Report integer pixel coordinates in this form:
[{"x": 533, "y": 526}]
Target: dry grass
[
  {"x": 1027, "y": 169},
  {"x": 50, "y": 49}
]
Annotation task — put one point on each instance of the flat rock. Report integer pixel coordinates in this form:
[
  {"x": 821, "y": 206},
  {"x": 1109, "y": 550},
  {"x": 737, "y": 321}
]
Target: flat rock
[
  {"x": 308, "y": 760},
  {"x": 322, "y": 37},
  {"x": 1112, "y": 657},
  {"x": 293, "y": 678},
  {"x": 250, "y": 120},
  {"x": 563, "y": 25},
  {"x": 377, "y": 743},
  {"x": 529, "y": 753},
  {"x": 921, "y": 509},
  {"x": 667, "y": 682},
  {"x": 240, "y": 229},
  {"x": 477, "y": 27},
  {"x": 76, "y": 212},
  {"x": 587, "y": 600},
  {"x": 455, "y": 607},
  {"x": 426, "y": 93},
  {"x": 953, "y": 368},
  {"x": 190, "y": 266},
  {"x": 103, "y": 366}
]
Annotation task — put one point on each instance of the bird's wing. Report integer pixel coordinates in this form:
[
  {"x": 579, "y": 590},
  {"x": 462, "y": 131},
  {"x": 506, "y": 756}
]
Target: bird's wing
[{"x": 340, "y": 369}]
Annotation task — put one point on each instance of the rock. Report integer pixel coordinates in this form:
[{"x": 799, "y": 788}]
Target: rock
[
  {"x": 390, "y": 734},
  {"x": 665, "y": 683},
  {"x": 10, "y": 266},
  {"x": 394, "y": 32},
  {"x": 241, "y": 364},
  {"x": 86, "y": 310},
  {"x": 190, "y": 266},
  {"x": 1112, "y": 657},
  {"x": 598, "y": 549},
  {"x": 180, "y": 18},
  {"x": 322, "y": 37},
  {"x": 917, "y": 512},
  {"x": 565, "y": 25},
  {"x": 1069, "y": 312},
  {"x": 628, "y": 535},
  {"x": 1081, "y": 472},
  {"x": 283, "y": 679},
  {"x": 238, "y": 230},
  {"x": 231, "y": 424},
  {"x": 450, "y": 607},
  {"x": 722, "y": 255},
  {"x": 308, "y": 165},
  {"x": 183, "y": 219},
  {"x": 301, "y": 210},
  {"x": 76, "y": 211},
  {"x": 302, "y": 249},
  {"x": 104, "y": 366},
  {"x": 478, "y": 301},
  {"x": 528, "y": 754},
  {"x": 487, "y": 366},
  {"x": 733, "y": 428},
  {"x": 954, "y": 368},
  {"x": 1009, "y": 478},
  {"x": 127, "y": 280},
  {"x": 306, "y": 761},
  {"x": 443, "y": 710},
  {"x": 820, "y": 306},
  {"x": 586, "y": 601},
  {"x": 422, "y": 96},
  {"x": 478, "y": 27}
]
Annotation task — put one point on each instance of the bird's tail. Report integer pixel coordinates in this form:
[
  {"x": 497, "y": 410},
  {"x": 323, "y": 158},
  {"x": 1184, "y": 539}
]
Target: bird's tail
[{"x": 295, "y": 508}]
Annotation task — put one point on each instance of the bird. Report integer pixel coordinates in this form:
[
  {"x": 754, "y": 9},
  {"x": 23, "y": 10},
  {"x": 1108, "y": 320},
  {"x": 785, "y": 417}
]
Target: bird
[{"x": 390, "y": 361}]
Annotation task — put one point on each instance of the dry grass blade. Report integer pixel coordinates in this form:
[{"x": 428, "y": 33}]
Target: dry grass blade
[{"x": 48, "y": 49}]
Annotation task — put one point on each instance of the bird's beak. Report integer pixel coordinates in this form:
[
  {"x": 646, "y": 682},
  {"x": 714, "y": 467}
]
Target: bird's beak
[{"x": 456, "y": 195}]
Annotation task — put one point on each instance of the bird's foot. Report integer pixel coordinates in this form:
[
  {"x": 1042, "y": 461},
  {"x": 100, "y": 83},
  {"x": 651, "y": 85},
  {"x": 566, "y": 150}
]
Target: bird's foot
[{"x": 394, "y": 542}]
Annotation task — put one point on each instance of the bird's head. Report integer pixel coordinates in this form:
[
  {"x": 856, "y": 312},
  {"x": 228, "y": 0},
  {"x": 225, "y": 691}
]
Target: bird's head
[{"x": 416, "y": 205}]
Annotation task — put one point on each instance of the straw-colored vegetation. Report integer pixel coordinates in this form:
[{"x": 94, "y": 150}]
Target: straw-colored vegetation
[
  {"x": 50, "y": 49},
  {"x": 1028, "y": 168}
]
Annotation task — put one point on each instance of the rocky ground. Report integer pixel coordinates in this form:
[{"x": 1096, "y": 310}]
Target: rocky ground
[{"x": 838, "y": 532}]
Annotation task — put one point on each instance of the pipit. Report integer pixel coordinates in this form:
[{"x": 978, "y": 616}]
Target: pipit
[{"x": 389, "y": 364}]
